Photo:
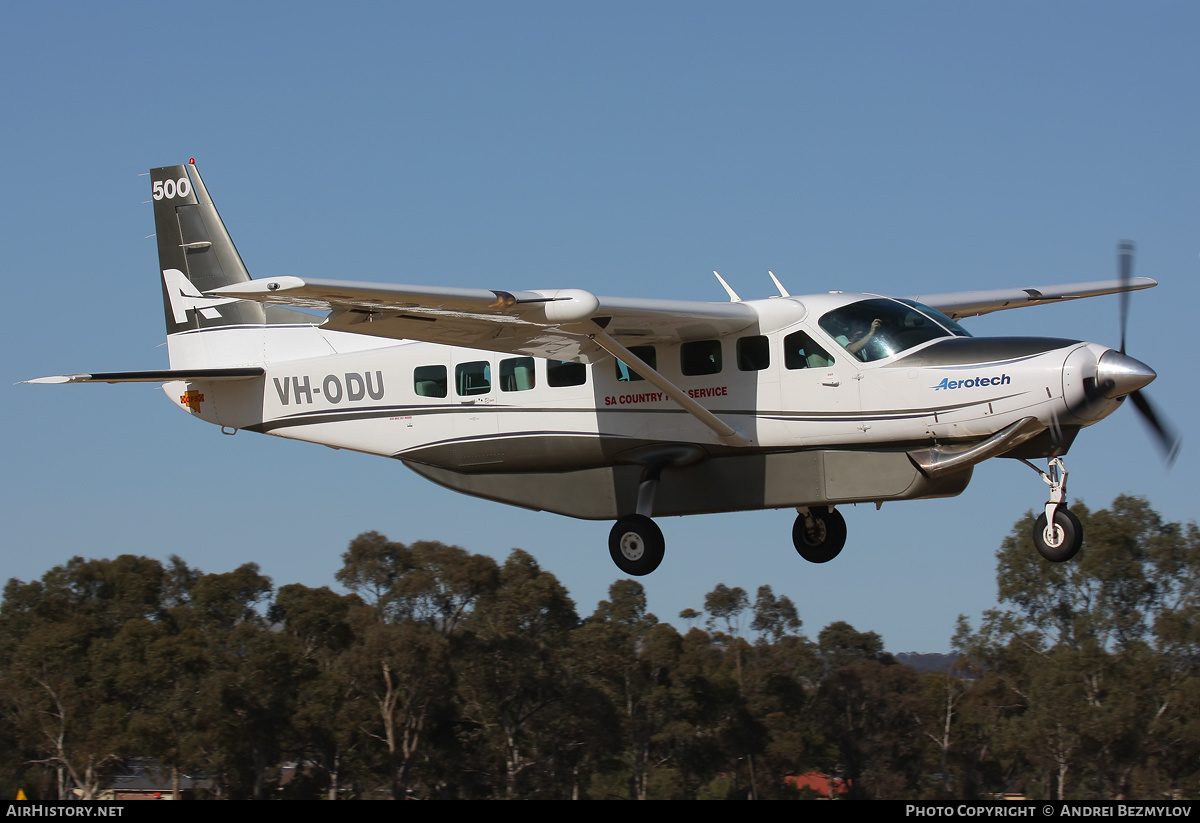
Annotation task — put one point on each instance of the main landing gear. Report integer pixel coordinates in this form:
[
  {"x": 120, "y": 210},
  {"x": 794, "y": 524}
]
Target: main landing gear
[
  {"x": 819, "y": 533},
  {"x": 636, "y": 544},
  {"x": 1057, "y": 533},
  {"x": 637, "y": 547}
]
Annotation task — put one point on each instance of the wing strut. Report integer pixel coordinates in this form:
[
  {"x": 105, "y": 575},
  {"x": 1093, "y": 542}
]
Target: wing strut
[{"x": 727, "y": 434}]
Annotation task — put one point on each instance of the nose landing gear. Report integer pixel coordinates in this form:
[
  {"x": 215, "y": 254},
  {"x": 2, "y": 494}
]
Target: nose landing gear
[{"x": 1057, "y": 533}]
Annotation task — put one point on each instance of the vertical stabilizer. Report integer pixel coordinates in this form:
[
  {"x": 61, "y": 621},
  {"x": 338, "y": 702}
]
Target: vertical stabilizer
[{"x": 195, "y": 254}]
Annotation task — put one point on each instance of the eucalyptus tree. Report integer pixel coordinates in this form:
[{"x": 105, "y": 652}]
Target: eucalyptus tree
[
  {"x": 324, "y": 732},
  {"x": 415, "y": 599},
  {"x": 1097, "y": 659},
  {"x": 513, "y": 674},
  {"x": 611, "y": 645},
  {"x": 59, "y": 668}
]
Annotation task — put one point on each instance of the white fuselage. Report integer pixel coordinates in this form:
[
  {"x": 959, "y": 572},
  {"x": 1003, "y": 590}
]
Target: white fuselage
[{"x": 466, "y": 411}]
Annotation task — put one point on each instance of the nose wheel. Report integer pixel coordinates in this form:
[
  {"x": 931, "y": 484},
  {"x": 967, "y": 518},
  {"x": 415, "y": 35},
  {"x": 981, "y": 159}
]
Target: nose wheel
[
  {"x": 1060, "y": 542},
  {"x": 819, "y": 533},
  {"x": 636, "y": 545}
]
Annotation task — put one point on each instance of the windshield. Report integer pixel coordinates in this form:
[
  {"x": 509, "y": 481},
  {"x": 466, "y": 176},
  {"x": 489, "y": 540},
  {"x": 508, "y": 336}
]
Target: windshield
[{"x": 880, "y": 327}]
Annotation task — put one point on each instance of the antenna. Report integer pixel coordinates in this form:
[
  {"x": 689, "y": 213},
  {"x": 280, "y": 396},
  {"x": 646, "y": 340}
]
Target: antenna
[
  {"x": 733, "y": 296},
  {"x": 782, "y": 291}
]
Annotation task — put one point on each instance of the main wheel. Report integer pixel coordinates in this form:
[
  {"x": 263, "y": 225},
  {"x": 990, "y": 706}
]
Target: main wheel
[
  {"x": 636, "y": 545},
  {"x": 824, "y": 540},
  {"x": 1063, "y": 541}
]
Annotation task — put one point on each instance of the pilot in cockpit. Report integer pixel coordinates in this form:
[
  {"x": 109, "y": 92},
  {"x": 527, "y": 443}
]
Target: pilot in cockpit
[{"x": 859, "y": 336}]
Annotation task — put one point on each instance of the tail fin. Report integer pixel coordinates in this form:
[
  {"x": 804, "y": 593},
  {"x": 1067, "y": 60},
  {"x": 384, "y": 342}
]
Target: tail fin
[{"x": 195, "y": 254}]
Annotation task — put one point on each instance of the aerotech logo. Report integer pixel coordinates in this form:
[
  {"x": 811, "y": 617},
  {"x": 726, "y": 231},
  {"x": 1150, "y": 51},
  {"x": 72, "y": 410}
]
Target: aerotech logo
[{"x": 972, "y": 382}]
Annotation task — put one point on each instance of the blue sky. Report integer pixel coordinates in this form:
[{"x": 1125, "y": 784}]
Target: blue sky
[{"x": 624, "y": 148}]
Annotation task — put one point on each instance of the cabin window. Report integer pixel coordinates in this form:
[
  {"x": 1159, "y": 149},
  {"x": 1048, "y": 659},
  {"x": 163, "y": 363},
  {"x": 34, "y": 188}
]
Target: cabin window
[
  {"x": 516, "y": 374},
  {"x": 700, "y": 357},
  {"x": 562, "y": 373},
  {"x": 473, "y": 378},
  {"x": 800, "y": 352},
  {"x": 429, "y": 381},
  {"x": 644, "y": 353},
  {"x": 753, "y": 353}
]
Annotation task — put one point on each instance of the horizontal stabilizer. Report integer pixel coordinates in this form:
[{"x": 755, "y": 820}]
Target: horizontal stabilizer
[{"x": 157, "y": 376}]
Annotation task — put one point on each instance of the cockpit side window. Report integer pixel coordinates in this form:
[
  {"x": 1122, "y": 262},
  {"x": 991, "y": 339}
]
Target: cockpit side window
[
  {"x": 880, "y": 327},
  {"x": 800, "y": 352}
]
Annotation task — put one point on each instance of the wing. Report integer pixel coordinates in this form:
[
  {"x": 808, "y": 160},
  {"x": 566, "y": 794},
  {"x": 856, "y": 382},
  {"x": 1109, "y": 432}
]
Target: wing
[
  {"x": 972, "y": 303},
  {"x": 553, "y": 323}
]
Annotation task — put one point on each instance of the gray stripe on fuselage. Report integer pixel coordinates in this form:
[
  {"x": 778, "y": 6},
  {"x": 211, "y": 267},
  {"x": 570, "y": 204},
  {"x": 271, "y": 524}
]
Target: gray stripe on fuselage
[{"x": 980, "y": 351}]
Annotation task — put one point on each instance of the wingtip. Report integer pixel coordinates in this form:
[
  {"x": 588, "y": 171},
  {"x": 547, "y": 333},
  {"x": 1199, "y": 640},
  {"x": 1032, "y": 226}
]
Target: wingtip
[{"x": 55, "y": 379}]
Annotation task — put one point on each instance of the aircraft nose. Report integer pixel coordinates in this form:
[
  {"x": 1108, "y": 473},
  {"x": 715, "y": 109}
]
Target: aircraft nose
[{"x": 1119, "y": 374}]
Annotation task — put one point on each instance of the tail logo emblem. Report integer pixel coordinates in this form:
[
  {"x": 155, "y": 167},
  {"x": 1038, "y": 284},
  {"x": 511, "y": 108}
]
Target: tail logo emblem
[{"x": 185, "y": 297}]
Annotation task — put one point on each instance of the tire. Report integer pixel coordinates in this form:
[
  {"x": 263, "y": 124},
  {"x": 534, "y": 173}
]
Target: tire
[
  {"x": 826, "y": 539},
  {"x": 636, "y": 545},
  {"x": 1064, "y": 542}
]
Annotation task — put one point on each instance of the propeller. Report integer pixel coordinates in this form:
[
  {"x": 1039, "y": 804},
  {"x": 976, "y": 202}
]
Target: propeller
[
  {"x": 1125, "y": 272},
  {"x": 1168, "y": 440}
]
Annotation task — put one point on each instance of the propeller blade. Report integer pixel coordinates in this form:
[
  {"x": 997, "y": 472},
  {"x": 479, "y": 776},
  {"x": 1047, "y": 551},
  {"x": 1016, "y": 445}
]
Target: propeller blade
[
  {"x": 1168, "y": 440},
  {"x": 1056, "y": 434},
  {"x": 1125, "y": 271}
]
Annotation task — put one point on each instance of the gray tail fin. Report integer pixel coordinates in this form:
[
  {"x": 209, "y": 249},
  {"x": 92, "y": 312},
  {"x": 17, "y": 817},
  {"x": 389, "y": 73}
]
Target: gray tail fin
[{"x": 195, "y": 254}]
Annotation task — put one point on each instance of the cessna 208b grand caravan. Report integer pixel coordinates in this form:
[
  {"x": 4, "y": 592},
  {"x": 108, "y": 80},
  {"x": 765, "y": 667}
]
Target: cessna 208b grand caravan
[{"x": 622, "y": 409}]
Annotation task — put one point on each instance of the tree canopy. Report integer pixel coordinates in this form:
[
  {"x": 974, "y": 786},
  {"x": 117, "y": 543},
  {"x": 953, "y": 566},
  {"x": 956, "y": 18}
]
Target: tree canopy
[{"x": 439, "y": 673}]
